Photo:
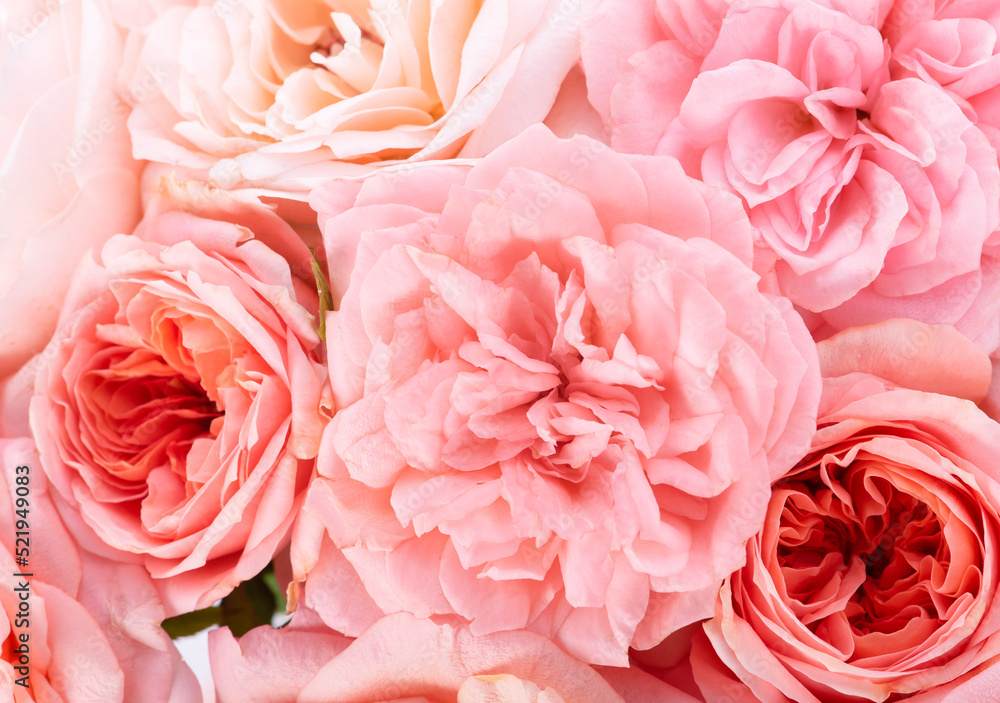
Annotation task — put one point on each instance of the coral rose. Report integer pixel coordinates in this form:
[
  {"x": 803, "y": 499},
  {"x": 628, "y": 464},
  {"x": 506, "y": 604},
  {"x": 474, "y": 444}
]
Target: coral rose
[
  {"x": 177, "y": 410},
  {"x": 873, "y": 193},
  {"x": 876, "y": 574},
  {"x": 64, "y": 155},
  {"x": 76, "y": 628},
  {"x": 405, "y": 658},
  {"x": 560, "y": 396},
  {"x": 283, "y": 94}
]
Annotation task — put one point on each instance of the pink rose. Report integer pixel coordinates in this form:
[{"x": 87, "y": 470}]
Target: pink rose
[
  {"x": 991, "y": 403},
  {"x": 640, "y": 58},
  {"x": 284, "y": 94},
  {"x": 64, "y": 156},
  {"x": 953, "y": 45},
  {"x": 78, "y": 628},
  {"x": 404, "y": 658},
  {"x": 876, "y": 573},
  {"x": 874, "y": 195},
  {"x": 177, "y": 409},
  {"x": 560, "y": 396}
]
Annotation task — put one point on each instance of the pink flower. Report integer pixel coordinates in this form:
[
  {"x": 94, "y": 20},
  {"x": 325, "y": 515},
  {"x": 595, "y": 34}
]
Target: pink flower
[
  {"x": 177, "y": 410},
  {"x": 78, "y": 628},
  {"x": 282, "y": 95},
  {"x": 64, "y": 156},
  {"x": 561, "y": 397},
  {"x": 640, "y": 58},
  {"x": 873, "y": 193},
  {"x": 404, "y": 658},
  {"x": 876, "y": 573},
  {"x": 953, "y": 45},
  {"x": 991, "y": 403}
]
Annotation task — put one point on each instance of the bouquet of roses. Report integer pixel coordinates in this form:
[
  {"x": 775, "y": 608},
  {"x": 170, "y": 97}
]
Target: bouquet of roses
[{"x": 500, "y": 351}]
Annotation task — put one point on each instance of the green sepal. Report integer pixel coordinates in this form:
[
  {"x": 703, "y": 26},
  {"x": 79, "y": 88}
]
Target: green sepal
[{"x": 323, "y": 290}]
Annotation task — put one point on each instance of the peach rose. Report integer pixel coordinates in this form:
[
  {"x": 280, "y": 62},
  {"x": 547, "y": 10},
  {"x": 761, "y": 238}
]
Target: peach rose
[
  {"x": 876, "y": 575},
  {"x": 177, "y": 410},
  {"x": 874, "y": 194},
  {"x": 64, "y": 156},
  {"x": 77, "y": 628},
  {"x": 404, "y": 658},
  {"x": 281, "y": 95},
  {"x": 561, "y": 398}
]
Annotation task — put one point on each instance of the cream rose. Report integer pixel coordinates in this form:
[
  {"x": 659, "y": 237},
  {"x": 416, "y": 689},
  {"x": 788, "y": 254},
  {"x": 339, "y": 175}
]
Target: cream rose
[{"x": 283, "y": 94}]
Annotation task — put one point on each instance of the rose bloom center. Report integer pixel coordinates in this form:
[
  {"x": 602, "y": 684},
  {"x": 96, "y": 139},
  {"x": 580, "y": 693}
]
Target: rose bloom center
[
  {"x": 863, "y": 561},
  {"x": 150, "y": 400}
]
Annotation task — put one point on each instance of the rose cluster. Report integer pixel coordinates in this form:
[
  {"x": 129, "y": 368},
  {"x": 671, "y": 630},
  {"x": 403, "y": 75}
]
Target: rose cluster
[{"x": 520, "y": 351}]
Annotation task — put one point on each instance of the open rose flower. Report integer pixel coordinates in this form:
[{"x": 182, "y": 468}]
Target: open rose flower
[
  {"x": 283, "y": 94},
  {"x": 177, "y": 409},
  {"x": 76, "y": 628},
  {"x": 874, "y": 195},
  {"x": 64, "y": 156},
  {"x": 560, "y": 396},
  {"x": 876, "y": 574},
  {"x": 954, "y": 45},
  {"x": 405, "y": 658}
]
